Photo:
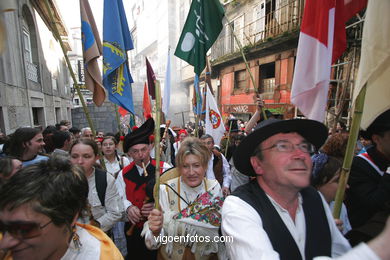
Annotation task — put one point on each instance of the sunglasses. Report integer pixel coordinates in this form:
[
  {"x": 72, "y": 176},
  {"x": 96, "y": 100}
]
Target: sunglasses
[{"x": 21, "y": 229}]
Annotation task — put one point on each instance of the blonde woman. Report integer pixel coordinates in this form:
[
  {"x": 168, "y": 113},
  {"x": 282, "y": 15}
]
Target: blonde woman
[{"x": 190, "y": 206}]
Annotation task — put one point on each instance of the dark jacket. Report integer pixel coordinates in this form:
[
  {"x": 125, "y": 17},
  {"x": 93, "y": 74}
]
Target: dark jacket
[{"x": 369, "y": 188}]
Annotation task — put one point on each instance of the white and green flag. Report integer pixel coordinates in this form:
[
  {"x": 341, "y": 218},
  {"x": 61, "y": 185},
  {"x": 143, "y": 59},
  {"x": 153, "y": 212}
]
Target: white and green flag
[{"x": 201, "y": 29}]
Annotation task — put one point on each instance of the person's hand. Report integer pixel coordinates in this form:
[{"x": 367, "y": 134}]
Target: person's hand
[
  {"x": 156, "y": 220},
  {"x": 134, "y": 214},
  {"x": 259, "y": 103},
  {"x": 225, "y": 191},
  {"x": 339, "y": 224},
  {"x": 146, "y": 209}
]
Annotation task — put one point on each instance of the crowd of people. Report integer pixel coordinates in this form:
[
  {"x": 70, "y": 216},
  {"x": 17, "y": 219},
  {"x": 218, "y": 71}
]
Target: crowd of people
[{"x": 270, "y": 185}]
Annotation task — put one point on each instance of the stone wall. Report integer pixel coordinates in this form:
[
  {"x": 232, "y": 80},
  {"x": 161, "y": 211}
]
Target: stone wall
[{"x": 103, "y": 118}]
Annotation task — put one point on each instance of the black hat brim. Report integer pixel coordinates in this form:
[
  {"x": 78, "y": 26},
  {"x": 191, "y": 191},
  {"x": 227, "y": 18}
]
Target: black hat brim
[{"x": 313, "y": 131}]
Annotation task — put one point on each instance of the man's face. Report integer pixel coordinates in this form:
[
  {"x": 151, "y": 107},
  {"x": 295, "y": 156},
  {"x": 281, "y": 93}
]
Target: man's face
[
  {"x": 383, "y": 143},
  {"x": 209, "y": 143},
  {"x": 64, "y": 128},
  {"x": 140, "y": 153},
  {"x": 283, "y": 170},
  {"x": 37, "y": 237},
  {"x": 100, "y": 134},
  {"x": 88, "y": 134},
  {"x": 35, "y": 145}
]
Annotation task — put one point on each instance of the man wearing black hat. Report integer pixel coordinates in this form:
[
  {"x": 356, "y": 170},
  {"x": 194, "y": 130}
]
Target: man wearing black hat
[
  {"x": 368, "y": 198},
  {"x": 132, "y": 182},
  {"x": 278, "y": 215}
]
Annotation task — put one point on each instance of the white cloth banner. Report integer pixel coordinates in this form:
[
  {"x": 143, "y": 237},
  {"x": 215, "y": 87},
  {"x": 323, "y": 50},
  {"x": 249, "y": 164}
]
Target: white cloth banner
[{"x": 214, "y": 123}]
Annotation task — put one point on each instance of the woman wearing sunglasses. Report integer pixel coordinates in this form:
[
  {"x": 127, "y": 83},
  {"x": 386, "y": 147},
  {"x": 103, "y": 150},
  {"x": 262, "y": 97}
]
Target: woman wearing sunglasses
[{"x": 39, "y": 207}]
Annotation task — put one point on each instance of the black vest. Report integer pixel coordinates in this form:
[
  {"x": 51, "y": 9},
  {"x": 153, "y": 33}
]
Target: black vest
[{"x": 318, "y": 238}]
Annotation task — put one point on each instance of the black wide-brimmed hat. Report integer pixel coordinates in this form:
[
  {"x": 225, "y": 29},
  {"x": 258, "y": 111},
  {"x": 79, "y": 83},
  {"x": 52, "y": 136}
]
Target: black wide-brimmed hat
[
  {"x": 380, "y": 124},
  {"x": 140, "y": 135},
  {"x": 313, "y": 131}
]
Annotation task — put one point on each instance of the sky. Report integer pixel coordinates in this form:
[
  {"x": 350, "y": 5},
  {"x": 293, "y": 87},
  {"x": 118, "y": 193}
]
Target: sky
[{"x": 70, "y": 12}]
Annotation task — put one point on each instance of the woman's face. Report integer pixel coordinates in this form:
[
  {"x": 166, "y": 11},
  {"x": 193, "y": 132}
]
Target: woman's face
[
  {"x": 108, "y": 147},
  {"x": 16, "y": 166},
  {"x": 192, "y": 171},
  {"x": 329, "y": 189},
  {"x": 83, "y": 155},
  {"x": 32, "y": 235},
  {"x": 182, "y": 136}
]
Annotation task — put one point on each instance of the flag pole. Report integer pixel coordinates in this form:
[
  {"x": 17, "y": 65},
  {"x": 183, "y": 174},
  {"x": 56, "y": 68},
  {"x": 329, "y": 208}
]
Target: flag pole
[
  {"x": 228, "y": 138},
  {"x": 57, "y": 36},
  {"x": 246, "y": 63},
  {"x": 156, "y": 192},
  {"x": 118, "y": 119},
  {"x": 196, "y": 125},
  {"x": 349, "y": 154}
]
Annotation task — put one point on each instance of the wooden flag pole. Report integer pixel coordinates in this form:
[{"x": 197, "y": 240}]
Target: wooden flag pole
[
  {"x": 118, "y": 119},
  {"x": 246, "y": 63},
  {"x": 57, "y": 36},
  {"x": 349, "y": 154},
  {"x": 156, "y": 192},
  {"x": 228, "y": 138},
  {"x": 196, "y": 125}
]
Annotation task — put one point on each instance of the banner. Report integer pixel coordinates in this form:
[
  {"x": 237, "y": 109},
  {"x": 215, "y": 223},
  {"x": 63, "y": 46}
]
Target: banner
[{"x": 116, "y": 42}]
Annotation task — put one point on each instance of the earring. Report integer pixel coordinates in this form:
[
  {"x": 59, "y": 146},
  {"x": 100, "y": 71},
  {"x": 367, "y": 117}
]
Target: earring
[{"x": 76, "y": 239}]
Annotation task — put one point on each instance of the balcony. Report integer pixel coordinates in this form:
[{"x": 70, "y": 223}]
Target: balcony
[
  {"x": 272, "y": 18},
  {"x": 32, "y": 71}
]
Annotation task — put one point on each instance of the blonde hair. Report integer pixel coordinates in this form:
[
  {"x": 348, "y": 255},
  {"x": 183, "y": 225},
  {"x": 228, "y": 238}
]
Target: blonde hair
[{"x": 194, "y": 146}]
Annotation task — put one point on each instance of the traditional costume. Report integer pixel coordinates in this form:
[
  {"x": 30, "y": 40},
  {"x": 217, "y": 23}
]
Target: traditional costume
[
  {"x": 191, "y": 212},
  {"x": 132, "y": 183}
]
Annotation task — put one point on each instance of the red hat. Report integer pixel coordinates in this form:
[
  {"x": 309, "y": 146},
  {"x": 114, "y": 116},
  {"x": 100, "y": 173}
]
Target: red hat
[{"x": 183, "y": 131}]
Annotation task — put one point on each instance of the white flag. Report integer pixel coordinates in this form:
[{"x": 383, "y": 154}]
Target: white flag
[
  {"x": 374, "y": 67},
  {"x": 214, "y": 122},
  {"x": 167, "y": 87}
]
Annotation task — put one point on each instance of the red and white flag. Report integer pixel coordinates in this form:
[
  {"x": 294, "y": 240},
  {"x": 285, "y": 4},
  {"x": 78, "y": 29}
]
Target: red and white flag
[
  {"x": 321, "y": 41},
  {"x": 214, "y": 123}
]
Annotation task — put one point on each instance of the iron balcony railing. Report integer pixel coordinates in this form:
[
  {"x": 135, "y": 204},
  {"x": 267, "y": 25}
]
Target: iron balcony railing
[
  {"x": 32, "y": 71},
  {"x": 270, "y": 18}
]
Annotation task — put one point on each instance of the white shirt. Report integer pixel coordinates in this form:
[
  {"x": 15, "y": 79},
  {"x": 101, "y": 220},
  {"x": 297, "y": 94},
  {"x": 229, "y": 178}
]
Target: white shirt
[
  {"x": 114, "y": 167},
  {"x": 250, "y": 240},
  {"x": 121, "y": 186},
  {"x": 190, "y": 194},
  {"x": 112, "y": 211},
  {"x": 227, "y": 179}
]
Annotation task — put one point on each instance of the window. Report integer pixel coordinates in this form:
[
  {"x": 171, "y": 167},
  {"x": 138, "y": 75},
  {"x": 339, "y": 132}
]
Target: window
[
  {"x": 58, "y": 114},
  {"x": 240, "y": 80},
  {"x": 27, "y": 44},
  {"x": 76, "y": 102},
  {"x": 30, "y": 46},
  {"x": 38, "y": 116},
  {"x": 267, "y": 80},
  {"x": 54, "y": 83}
]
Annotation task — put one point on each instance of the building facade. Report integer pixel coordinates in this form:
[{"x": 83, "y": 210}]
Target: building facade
[
  {"x": 268, "y": 32},
  {"x": 35, "y": 88}
]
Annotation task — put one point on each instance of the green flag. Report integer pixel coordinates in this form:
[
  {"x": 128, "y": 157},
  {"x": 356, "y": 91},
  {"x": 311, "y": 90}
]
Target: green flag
[{"x": 202, "y": 27}]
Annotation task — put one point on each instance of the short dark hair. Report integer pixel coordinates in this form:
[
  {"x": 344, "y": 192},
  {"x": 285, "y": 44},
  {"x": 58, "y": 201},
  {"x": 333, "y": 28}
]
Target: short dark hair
[
  {"x": 327, "y": 172},
  {"x": 206, "y": 136},
  {"x": 6, "y": 166},
  {"x": 59, "y": 138},
  {"x": 55, "y": 188},
  {"x": 86, "y": 142},
  {"x": 21, "y": 136},
  {"x": 74, "y": 130}
]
